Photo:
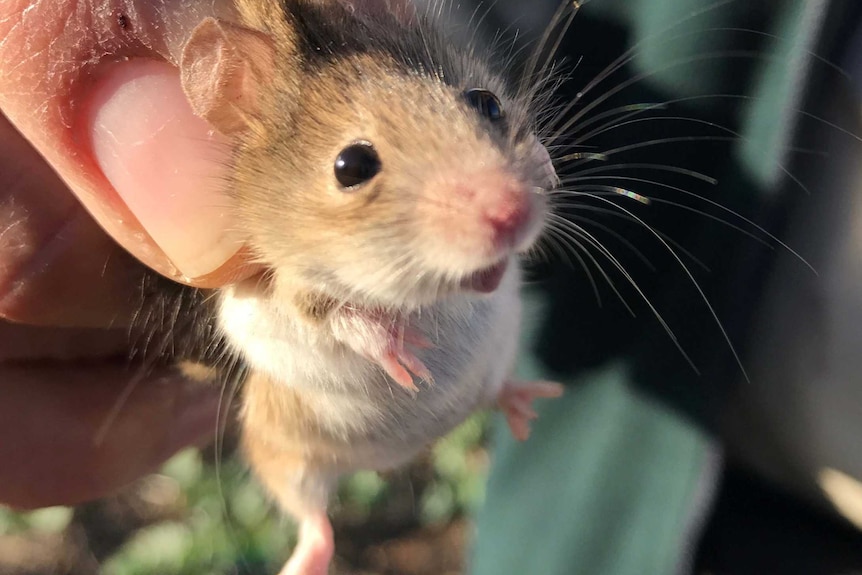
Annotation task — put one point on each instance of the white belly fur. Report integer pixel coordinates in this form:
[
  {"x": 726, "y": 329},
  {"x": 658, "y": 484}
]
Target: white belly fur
[{"x": 354, "y": 402}]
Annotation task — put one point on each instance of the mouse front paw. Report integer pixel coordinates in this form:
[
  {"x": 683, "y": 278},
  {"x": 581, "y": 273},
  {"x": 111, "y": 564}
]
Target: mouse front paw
[
  {"x": 384, "y": 339},
  {"x": 515, "y": 401}
]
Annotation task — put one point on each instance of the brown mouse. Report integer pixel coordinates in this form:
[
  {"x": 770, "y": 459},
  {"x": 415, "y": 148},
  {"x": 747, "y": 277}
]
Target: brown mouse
[{"x": 389, "y": 180}]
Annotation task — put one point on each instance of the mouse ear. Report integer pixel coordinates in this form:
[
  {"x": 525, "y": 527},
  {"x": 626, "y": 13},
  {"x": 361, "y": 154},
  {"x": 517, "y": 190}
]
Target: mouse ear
[{"x": 224, "y": 68}]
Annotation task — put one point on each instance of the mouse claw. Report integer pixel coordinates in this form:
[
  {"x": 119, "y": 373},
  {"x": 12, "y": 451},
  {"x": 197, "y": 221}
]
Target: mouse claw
[
  {"x": 402, "y": 366},
  {"x": 408, "y": 365},
  {"x": 314, "y": 551},
  {"x": 397, "y": 372},
  {"x": 382, "y": 338},
  {"x": 417, "y": 368}
]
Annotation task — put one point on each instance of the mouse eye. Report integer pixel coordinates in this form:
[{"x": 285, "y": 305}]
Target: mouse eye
[
  {"x": 356, "y": 164},
  {"x": 486, "y": 103}
]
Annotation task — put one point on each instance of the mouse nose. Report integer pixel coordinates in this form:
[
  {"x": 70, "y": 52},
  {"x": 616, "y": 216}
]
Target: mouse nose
[
  {"x": 489, "y": 211},
  {"x": 507, "y": 212}
]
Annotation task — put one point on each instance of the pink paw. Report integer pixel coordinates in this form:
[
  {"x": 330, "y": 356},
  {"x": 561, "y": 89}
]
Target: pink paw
[
  {"x": 515, "y": 401},
  {"x": 383, "y": 339}
]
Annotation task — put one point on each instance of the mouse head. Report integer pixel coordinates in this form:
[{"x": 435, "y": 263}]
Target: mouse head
[{"x": 374, "y": 161}]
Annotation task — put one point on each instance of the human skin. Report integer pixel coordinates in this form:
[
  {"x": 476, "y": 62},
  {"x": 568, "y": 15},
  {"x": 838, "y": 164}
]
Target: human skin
[{"x": 104, "y": 173}]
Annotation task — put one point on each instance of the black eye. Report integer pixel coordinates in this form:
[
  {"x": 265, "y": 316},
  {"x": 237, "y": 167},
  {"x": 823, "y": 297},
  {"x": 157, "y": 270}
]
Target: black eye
[
  {"x": 356, "y": 164},
  {"x": 486, "y": 103}
]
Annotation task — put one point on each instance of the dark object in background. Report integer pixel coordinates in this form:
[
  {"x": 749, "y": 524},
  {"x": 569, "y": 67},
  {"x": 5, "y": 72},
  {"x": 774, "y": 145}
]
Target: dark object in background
[{"x": 757, "y": 529}]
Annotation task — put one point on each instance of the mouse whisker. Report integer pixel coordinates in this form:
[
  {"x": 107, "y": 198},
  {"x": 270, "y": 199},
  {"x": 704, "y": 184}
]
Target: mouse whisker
[
  {"x": 581, "y": 207},
  {"x": 568, "y": 247},
  {"x": 627, "y": 57},
  {"x": 569, "y": 229},
  {"x": 711, "y": 203}
]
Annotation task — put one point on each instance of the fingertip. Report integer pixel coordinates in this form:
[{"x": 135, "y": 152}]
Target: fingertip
[{"x": 167, "y": 166}]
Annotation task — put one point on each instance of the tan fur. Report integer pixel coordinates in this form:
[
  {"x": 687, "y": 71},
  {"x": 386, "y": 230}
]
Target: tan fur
[
  {"x": 198, "y": 372},
  {"x": 280, "y": 444}
]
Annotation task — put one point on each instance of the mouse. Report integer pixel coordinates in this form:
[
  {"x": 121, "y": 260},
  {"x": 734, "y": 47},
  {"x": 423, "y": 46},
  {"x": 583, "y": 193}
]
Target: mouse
[{"x": 390, "y": 182}]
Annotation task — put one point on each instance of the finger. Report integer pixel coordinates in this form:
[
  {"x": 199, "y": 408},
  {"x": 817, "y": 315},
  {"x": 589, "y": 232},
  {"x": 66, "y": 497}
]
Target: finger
[
  {"x": 91, "y": 86},
  {"x": 56, "y": 265},
  {"x": 55, "y": 449},
  {"x": 167, "y": 165},
  {"x": 25, "y": 343}
]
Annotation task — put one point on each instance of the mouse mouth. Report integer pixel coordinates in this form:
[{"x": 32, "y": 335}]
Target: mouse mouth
[{"x": 486, "y": 279}]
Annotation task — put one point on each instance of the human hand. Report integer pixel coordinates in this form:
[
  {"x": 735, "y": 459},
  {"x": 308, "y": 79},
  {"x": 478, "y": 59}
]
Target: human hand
[
  {"x": 63, "y": 387},
  {"x": 60, "y": 385}
]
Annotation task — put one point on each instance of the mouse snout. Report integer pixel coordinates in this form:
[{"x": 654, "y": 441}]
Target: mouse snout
[
  {"x": 505, "y": 210},
  {"x": 474, "y": 218},
  {"x": 500, "y": 206}
]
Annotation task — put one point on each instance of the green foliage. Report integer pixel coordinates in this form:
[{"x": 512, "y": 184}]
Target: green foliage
[
  {"x": 226, "y": 524},
  {"x": 229, "y": 527},
  {"x": 48, "y": 520},
  {"x": 460, "y": 464}
]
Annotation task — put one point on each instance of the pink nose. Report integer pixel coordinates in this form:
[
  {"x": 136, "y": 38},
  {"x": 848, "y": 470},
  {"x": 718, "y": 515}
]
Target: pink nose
[
  {"x": 491, "y": 206},
  {"x": 507, "y": 212}
]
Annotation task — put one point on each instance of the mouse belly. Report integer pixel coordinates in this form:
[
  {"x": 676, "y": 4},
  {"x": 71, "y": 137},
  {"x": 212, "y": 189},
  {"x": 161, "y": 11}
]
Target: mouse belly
[
  {"x": 360, "y": 418},
  {"x": 308, "y": 388},
  {"x": 320, "y": 410}
]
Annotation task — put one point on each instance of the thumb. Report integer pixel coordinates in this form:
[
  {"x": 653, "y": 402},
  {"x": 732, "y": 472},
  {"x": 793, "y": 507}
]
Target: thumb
[
  {"x": 166, "y": 165},
  {"x": 94, "y": 91}
]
